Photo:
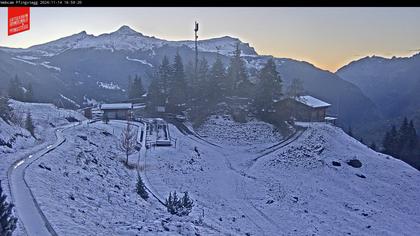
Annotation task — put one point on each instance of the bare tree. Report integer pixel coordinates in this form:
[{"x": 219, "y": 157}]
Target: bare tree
[{"x": 128, "y": 141}]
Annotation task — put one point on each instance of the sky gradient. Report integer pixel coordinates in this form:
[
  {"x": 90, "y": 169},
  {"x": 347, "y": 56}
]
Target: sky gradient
[{"x": 326, "y": 37}]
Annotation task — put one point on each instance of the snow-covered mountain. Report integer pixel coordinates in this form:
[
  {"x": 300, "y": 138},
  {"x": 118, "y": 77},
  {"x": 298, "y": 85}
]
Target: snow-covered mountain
[
  {"x": 78, "y": 66},
  {"x": 128, "y": 39},
  {"x": 392, "y": 84}
]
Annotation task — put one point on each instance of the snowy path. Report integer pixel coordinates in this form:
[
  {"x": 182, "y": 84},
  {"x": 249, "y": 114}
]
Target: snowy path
[
  {"x": 27, "y": 208},
  {"x": 228, "y": 183}
]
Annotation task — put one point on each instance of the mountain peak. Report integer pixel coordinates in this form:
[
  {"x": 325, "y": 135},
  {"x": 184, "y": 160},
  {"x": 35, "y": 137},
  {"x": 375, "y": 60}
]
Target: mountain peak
[{"x": 125, "y": 29}]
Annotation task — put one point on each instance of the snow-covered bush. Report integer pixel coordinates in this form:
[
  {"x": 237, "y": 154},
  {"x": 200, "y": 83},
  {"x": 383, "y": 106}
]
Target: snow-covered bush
[
  {"x": 179, "y": 206},
  {"x": 7, "y": 220}
]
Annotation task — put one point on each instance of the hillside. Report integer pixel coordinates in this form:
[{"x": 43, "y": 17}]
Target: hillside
[
  {"x": 301, "y": 185},
  {"x": 392, "y": 85},
  {"x": 73, "y": 70}
]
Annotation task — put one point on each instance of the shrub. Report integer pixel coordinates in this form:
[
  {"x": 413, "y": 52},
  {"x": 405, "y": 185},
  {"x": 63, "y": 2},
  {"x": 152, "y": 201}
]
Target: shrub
[{"x": 179, "y": 206}]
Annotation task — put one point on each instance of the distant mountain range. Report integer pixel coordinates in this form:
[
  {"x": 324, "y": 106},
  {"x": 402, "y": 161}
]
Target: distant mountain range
[
  {"x": 83, "y": 68},
  {"x": 392, "y": 84}
]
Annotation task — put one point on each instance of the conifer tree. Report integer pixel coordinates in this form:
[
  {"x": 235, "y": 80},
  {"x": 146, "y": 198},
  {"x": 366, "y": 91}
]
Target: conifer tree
[
  {"x": 157, "y": 94},
  {"x": 350, "y": 131},
  {"x": 165, "y": 74},
  {"x": 141, "y": 188},
  {"x": 237, "y": 75},
  {"x": 177, "y": 86},
  {"x": 29, "y": 125},
  {"x": 190, "y": 74},
  {"x": 179, "y": 206},
  {"x": 201, "y": 90},
  {"x": 217, "y": 80},
  {"x": 373, "y": 146},
  {"x": 269, "y": 87},
  {"x": 412, "y": 135},
  {"x": 187, "y": 204},
  {"x": 29, "y": 95},
  {"x": 7, "y": 220},
  {"x": 135, "y": 89}
]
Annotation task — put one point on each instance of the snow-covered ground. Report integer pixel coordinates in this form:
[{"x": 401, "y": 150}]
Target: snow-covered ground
[
  {"x": 21, "y": 144},
  {"x": 84, "y": 188},
  {"x": 303, "y": 186},
  {"x": 295, "y": 190},
  {"x": 222, "y": 129}
]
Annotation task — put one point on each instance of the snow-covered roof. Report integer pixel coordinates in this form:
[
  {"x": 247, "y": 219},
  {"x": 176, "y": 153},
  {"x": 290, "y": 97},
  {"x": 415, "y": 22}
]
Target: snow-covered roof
[
  {"x": 112, "y": 106},
  {"x": 312, "y": 102}
]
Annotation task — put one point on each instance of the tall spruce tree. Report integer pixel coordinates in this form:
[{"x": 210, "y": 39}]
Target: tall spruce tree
[
  {"x": 165, "y": 74},
  {"x": 29, "y": 124},
  {"x": 190, "y": 74},
  {"x": 391, "y": 142},
  {"x": 237, "y": 77},
  {"x": 217, "y": 80},
  {"x": 403, "y": 143},
  {"x": 412, "y": 135},
  {"x": 141, "y": 188},
  {"x": 29, "y": 95},
  {"x": 202, "y": 88},
  {"x": 177, "y": 87},
  {"x": 135, "y": 89},
  {"x": 268, "y": 89},
  {"x": 7, "y": 220},
  {"x": 157, "y": 94}
]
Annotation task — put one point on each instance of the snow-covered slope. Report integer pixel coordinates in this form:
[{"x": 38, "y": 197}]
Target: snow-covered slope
[
  {"x": 13, "y": 137},
  {"x": 319, "y": 181},
  {"x": 392, "y": 84},
  {"x": 295, "y": 190},
  {"x": 85, "y": 189},
  {"x": 17, "y": 142},
  {"x": 45, "y": 116},
  {"x": 222, "y": 129}
]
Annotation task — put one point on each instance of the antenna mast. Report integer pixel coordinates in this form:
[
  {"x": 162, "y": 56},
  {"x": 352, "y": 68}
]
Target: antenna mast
[{"x": 196, "y": 48}]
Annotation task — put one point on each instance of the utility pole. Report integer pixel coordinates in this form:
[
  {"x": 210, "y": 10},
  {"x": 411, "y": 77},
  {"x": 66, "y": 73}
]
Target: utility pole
[{"x": 196, "y": 48}]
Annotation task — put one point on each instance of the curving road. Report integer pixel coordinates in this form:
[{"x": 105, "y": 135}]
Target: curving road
[{"x": 30, "y": 215}]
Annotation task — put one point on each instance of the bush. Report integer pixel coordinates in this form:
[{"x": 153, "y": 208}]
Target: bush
[{"x": 179, "y": 206}]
